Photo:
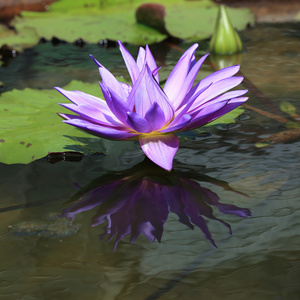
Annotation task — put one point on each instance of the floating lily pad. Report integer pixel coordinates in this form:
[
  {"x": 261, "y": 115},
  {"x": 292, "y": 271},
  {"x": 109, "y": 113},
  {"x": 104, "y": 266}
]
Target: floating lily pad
[
  {"x": 91, "y": 28},
  {"x": 226, "y": 119},
  {"x": 69, "y": 20},
  {"x": 30, "y": 127},
  {"x": 26, "y": 37}
]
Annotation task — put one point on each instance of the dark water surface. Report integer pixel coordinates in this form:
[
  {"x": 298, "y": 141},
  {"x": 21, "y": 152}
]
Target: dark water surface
[{"x": 44, "y": 256}]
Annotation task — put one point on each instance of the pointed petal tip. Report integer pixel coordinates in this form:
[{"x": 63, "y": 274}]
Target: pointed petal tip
[
  {"x": 95, "y": 61},
  {"x": 62, "y": 116},
  {"x": 121, "y": 45},
  {"x": 59, "y": 89},
  {"x": 204, "y": 56},
  {"x": 196, "y": 45}
]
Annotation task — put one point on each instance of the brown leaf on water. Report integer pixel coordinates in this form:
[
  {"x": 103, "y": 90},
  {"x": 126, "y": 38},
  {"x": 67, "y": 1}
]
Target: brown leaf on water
[{"x": 281, "y": 137}]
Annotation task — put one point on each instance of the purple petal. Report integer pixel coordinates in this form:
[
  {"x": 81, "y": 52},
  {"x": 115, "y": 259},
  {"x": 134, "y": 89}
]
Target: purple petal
[
  {"x": 207, "y": 113},
  {"x": 176, "y": 79},
  {"x": 110, "y": 133},
  {"x": 140, "y": 61},
  {"x": 214, "y": 112},
  {"x": 99, "y": 130},
  {"x": 126, "y": 88},
  {"x": 155, "y": 73},
  {"x": 219, "y": 75},
  {"x": 145, "y": 92},
  {"x": 213, "y": 78},
  {"x": 85, "y": 124},
  {"x": 188, "y": 83},
  {"x": 130, "y": 63},
  {"x": 185, "y": 119},
  {"x": 138, "y": 123},
  {"x": 161, "y": 149},
  {"x": 102, "y": 131},
  {"x": 155, "y": 116},
  {"x": 66, "y": 116},
  {"x": 96, "y": 61},
  {"x": 116, "y": 104},
  {"x": 151, "y": 63},
  {"x": 78, "y": 98},
  {"x": 112, "y": 83},
  {"x": 184, "y": 109},
  {"x": 225, "y": 97},
  {"x": 93, "y": 114},
  {"x": 146, "y": 56},
  {"x": 215, "y": 90},
  {"x": 109, "y": 80}
]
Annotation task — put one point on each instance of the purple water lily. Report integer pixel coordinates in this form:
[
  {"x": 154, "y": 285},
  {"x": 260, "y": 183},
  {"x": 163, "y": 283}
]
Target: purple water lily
[
  {"x": 146, "y": 112},
  {"x": 139, "y": 200}
]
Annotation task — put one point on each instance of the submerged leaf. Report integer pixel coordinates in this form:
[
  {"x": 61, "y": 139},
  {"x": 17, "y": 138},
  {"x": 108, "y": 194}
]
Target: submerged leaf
[
  {"x": 280, "y": 137},
  {"x": 290, "y": 109}
]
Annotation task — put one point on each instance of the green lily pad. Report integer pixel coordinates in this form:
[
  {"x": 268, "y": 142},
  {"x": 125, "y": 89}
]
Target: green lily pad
[
  {"x": 91, "y": 28},
  {"x": 30, "y": 127},
  {"x": 26, "y": 37},
  {"x": 288, "y": 108},
  {"x": 228, "y": 118},
  {"x": 69, "y": 20}
]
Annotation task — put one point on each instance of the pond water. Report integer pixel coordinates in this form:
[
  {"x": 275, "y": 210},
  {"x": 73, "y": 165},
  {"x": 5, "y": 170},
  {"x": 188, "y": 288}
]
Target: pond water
[{"x": 44, "y": 255}]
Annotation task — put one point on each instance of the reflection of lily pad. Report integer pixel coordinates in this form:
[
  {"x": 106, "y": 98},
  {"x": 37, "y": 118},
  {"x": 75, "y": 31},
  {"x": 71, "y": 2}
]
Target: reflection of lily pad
[{"x": 70, "y": 20}]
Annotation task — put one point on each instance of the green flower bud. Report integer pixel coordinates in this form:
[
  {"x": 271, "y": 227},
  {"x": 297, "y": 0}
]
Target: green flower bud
[{"x": 225, "y": 39}]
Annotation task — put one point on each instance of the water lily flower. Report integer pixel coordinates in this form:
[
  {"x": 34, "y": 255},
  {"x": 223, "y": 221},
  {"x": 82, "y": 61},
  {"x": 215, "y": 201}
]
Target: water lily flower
[
  {"x": 139, "y": 200},
  {"x": 146, "y": 112}
]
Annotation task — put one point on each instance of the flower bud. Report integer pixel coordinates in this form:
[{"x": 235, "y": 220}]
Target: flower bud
[{"x": 225, "y": 39}]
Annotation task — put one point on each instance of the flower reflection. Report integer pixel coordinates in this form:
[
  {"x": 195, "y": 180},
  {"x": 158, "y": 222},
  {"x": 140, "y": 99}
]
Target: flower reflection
[{"x": 139, "y": 200}]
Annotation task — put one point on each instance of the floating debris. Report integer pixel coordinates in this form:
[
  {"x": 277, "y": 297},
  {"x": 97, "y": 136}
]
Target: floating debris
[{"x": 53, "y": 227}]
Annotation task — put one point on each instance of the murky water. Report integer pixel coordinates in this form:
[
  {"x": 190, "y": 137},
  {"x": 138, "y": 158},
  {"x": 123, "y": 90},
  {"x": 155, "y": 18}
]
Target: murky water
[{"x": 46, "y": 257}]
